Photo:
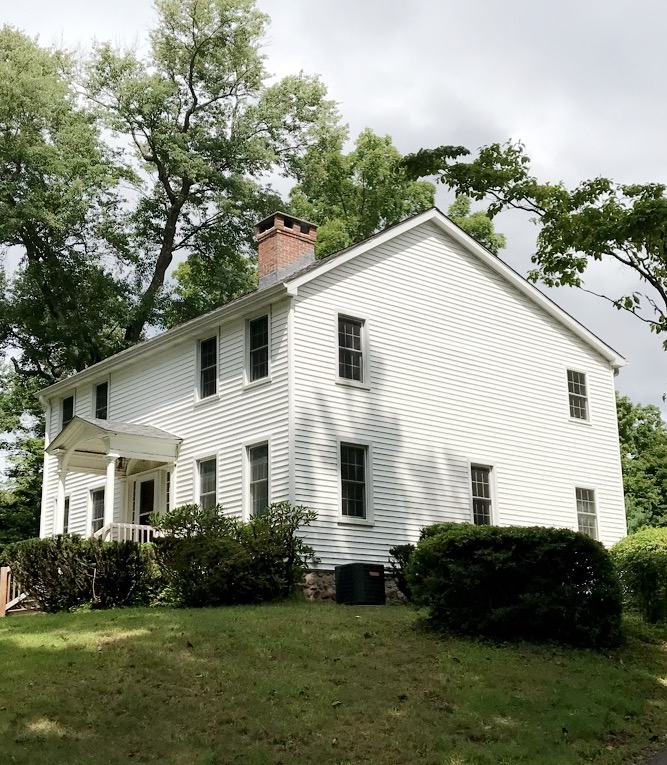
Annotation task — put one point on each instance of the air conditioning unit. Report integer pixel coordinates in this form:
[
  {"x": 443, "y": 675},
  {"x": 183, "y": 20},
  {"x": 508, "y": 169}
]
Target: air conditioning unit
[{"x": 360, "y": 584}]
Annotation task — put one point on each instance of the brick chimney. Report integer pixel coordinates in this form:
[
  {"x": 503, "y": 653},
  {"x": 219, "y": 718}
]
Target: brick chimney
[{"x": 284, "y": 245}]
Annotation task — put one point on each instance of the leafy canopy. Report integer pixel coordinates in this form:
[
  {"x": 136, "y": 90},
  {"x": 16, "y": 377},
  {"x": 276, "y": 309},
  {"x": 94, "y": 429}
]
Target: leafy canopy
[{"x": 597, "y": 220}]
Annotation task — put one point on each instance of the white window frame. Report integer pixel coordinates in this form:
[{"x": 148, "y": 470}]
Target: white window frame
[
  {"x": 94, "y": 397},
  {"x": 586, "y": 419},
  {"x": 62, "y": 407},
  {"x": 198, "y": 462},
  {"x": 594, "y": 514},
  {"x": 91, "y": 491},
  {"x": 487, "y": 465},
  {"x": 214, "y": 396},
  {"x": 351, "y": 520},
  {"x": 365, "y": 382},
  {"x": 247, "y": 382},
  {"x": 247, "y": 497}
]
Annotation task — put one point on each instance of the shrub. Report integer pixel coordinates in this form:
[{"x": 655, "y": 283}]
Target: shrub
[
  {"x": 63, "y": 572},
  {"x": 641, "y": 563},
  {"x": 518, "y": 583},
  {"x": 209, "y": 559},
  {"x": 399, "y": 558}
]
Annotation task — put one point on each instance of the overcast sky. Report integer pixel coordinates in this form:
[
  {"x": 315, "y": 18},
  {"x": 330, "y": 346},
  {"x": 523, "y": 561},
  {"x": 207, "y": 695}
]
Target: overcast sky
[{"x": 580, "y": 83}]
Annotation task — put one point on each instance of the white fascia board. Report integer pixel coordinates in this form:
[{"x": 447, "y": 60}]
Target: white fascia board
[
  {"x": 149, "y": 347},
  {"x": 509, "y": 274}
]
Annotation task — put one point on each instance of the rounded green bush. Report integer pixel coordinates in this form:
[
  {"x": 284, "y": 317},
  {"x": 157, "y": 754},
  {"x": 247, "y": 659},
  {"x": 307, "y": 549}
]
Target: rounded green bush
[
  {"x": 516, "y": 583},
  {"x": 641, "y": 563}
]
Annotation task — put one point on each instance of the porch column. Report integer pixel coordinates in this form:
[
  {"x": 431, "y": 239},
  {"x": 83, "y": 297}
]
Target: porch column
[
  {"x": 109, "y": 488},
  {"x": 59, "y": 514}
]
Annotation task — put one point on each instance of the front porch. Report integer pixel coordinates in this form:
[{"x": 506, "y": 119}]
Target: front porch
[{"x": 136, "y": 463}]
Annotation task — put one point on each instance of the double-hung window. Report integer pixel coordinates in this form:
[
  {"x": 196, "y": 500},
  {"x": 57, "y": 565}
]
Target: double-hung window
[
  {"x": 67, "y": 410},
  {"x": 351, "y": 349},
  {"x": 586, "y": 515},
  {"x": 576, "y": 388},
  {"x": 208, "y": 367},
  {"x": 258, "y": 468},
  {"x": 208, "y": 479},
  {"x": 97, "y": 502},
  {"x": 258, "y": 348},
  {"x": 353, "y": 480},
  {"x": 102, "y": 401},
  {"x": 480, "y": 484}
]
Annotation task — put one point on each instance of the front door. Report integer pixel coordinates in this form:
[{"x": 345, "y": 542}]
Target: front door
[{"x": 146, "y": 497}]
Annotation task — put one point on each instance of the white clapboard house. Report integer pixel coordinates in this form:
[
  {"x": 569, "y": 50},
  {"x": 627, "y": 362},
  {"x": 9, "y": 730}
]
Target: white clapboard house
[{"x": 410, "y": 379}]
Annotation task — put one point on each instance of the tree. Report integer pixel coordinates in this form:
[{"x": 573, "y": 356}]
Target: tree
[
  {"x": 106, "y": 180},
  {"x": 597, "y": 220},
  {"x": 643, "y": 442},
  {"x": 353, "y": 196},
  {"x": 478, "y": 224}
]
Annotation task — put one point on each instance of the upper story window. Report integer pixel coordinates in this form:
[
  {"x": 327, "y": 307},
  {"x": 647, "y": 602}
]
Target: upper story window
[
  {"x": 258, "y": 464},
  {"x": 67, "y": 410},
  {"x": 208, "y": 367},
  {"x": 351, "y": 349},
  {"x": 576, "y": 386},
  {"x": 208, "y": 479},
  {"x": 258, "y": 345},
  {"x": 586, "y": 514},
  {"x": 102, "y": 401},
  {"x": 480, "y": 484},
  {"x": 353, "y": 461}
]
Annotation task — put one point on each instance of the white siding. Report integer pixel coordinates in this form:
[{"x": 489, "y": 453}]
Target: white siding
[
  {"x": 464, "y": 368},
  {"x": 159, "y": 390}
]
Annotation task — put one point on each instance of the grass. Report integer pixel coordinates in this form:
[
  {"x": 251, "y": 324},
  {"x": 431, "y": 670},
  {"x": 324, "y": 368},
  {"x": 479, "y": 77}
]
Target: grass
[{"x": 304, "y": 683}]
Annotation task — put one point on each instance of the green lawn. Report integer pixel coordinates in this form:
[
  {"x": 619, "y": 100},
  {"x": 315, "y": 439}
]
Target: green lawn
[{"x": 321, "y": 684}]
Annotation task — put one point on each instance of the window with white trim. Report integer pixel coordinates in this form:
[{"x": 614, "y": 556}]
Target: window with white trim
[
  {"x": 66, "y": 517},
  {"x": 353, "y": 480},
  {"x": 66, "y": 410},
  {"x": 576, "y": 388},
  {"x": 208, "y": 367},
  {"x": 102, "y": 401},
  {"x": 208, "y": 480},
  {"x": 586, "y": 513},
  {"x": 97, "y": 502},
  {"x": 482, "y": 503},
  {"x": 258, "y": 469},
  {"x": 258, "y": 348},
  {"x": 351, "y": 349}
]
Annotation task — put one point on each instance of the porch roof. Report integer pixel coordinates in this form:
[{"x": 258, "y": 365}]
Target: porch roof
[{"x": 87, "y": 442}]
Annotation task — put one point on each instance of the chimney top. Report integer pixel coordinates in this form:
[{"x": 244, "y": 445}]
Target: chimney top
[{"x": 285, "y": 244}]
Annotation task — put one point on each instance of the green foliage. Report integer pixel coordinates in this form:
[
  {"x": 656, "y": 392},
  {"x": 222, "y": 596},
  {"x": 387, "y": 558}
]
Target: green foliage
[
  {"x": 64, "y": 572},
  {"x": 478, "y": 224},
  {"x": 399, "y": 559},
  {"x": 352, "y": 196},
  {"x": 641, "y": 562},
  {"x": 210, "y": 559},
  {"x": 643, "y": 442},
  {"x": 518, "y": 583},
  {"x": 596, "y": 220}
]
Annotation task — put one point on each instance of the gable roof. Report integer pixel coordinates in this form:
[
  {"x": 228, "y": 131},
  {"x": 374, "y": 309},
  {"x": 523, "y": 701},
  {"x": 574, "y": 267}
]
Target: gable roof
[
  {"x": 84, "y": 428},
  {"x": 290, "y": 286}
]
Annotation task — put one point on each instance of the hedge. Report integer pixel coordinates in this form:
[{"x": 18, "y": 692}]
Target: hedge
[
  {"x": 517, "y": 583},
  {"x": 641, "y": 563},
  {"x": 64, "y": 572}
]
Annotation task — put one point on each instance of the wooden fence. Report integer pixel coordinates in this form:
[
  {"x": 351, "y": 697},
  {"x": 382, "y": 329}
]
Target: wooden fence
[{"x": 11, "y": 595}]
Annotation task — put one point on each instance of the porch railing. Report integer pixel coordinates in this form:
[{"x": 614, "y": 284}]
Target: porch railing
[
  {"x": 11, "y": 594},
  {"x": 126, "y": 532}
]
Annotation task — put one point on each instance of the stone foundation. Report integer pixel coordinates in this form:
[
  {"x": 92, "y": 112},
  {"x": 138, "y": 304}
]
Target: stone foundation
[{"x": 321, "y": 585}]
